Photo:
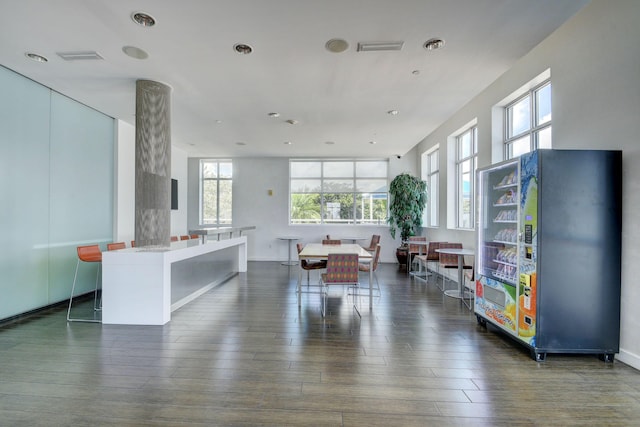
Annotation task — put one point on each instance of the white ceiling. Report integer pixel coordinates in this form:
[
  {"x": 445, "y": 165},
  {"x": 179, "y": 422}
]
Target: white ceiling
[{"x": 220, "y": 97}]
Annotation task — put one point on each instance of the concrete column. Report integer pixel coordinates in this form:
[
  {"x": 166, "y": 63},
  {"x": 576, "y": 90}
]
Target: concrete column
[{"x": 153, "y": 164}]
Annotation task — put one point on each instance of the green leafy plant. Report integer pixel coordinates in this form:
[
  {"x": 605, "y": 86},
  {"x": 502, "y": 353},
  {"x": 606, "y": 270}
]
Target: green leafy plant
[{"x": 408, "y": 199}]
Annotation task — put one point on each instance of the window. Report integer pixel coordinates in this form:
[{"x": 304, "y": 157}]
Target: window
[
  {"x": 466, "y": 162},
  {"x": 528, "y": 122},
  {"x": 215, "y": 192},
  {"x": 431, "y": 175},
  {"x": 338, "y": 191}
]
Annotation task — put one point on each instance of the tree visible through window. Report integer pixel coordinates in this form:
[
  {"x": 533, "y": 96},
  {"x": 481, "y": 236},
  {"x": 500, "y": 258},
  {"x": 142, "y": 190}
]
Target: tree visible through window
[
  {"x": 216, "y": 192},
  {"x": 338, "y": 191}
]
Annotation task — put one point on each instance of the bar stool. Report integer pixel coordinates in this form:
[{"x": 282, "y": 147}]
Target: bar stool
[
  {"x": 115, "y": 246},
  {"x": 90, "y": 253}
]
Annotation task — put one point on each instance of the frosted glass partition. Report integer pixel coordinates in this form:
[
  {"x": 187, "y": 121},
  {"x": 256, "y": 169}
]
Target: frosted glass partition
[
  {"x": 81, "y": 198},
  {"x": 24, "y": 192},
  {"x": 57, "y": 173}
]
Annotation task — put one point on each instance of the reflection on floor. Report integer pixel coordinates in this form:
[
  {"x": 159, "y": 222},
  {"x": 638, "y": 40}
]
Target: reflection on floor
[{"x": 244, "y": 354}]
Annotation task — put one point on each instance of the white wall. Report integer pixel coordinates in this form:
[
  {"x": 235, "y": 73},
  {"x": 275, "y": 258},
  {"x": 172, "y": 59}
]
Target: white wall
[
  {"x": 179, "y": 172},
  {"x": 595, "y": 72},
  {"x": 125, "y": 196}
]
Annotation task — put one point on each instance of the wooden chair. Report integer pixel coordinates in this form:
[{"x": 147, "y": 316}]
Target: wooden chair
[
  {"x": 415, "y": 249},
  {"x": 448, "y": 261},
  {"x": 310, "y": 265},
  {"x": 365, "y": 267},
  {"x": 88, "y": 254},
  {"x": 115, "y": 246},
  {"x": 342, "y": 269},
  {"x": 375, "y": 240},
  {"x": 331, "y": 242}
]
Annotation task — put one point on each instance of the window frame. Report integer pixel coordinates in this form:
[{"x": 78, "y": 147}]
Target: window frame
[
  {"x": 431, "y": 217},
  {"x": 535, "y": 129},
  {"x": 460, "y": 161},
  {"x": 217, "y": 179},
  {"x": 323, "y": 180}
]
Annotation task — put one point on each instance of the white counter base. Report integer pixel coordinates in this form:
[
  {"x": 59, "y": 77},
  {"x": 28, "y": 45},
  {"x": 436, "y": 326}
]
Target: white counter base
[{"x": 142, "y": 286}]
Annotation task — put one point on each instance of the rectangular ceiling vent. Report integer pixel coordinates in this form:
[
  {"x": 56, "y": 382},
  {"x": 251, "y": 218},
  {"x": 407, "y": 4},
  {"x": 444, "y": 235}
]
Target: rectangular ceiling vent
[
  {"x": 79, "y": 56},
  {"x": 379, "y": 46}
]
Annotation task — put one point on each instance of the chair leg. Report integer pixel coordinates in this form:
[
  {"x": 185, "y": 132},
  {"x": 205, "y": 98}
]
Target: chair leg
[
  {"x": 97, "y": 307},
  {"x": 73, "y": 288}
]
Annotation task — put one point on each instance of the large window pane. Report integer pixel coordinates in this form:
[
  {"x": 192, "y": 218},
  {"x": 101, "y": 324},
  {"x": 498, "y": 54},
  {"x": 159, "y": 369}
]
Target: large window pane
[
  {"x": 338, "y": 185},
  {"x": 543, "y": 103},
  {"x": 544, "y": 138},
  {"x": 306, "y": 169},
  {"x": 520, "y": 146},
  {"x": 338, "y": 208},
  {"x": 371, "y": 169},
  {"x": 306, "y": 185},
  {"x": 216, "y": 192},
  {"x": 209, "y": 201},
  {"x": 371, "y": 208},
  {"x": 337, "y": 169},
  {"x": 225, "y": 202},
  {"x": 371, "y": 185},
  {"x": 338, "y": 191},
  {"x": 305, "y": 208},
  {"x": 433, "y": 185},
  {"x": 519, "y": 117}
]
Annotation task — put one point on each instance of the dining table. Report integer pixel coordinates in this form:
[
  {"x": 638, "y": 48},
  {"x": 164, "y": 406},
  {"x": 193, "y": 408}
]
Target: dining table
[
  {"x": 460, "y": 253},
  {"x": 318, "y": 251}
]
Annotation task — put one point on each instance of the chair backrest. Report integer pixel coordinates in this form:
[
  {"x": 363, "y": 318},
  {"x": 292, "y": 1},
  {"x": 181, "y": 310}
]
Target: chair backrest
[
  {"x": 133, "y": 243},
  {"x": 342, "y": 269},
  {"x": 375, "y": 240},
  {"x": 184, "y": 237},
  {"x": 194, "y": 236},
  {"x": 115, "y": 246},
  {"x": 449, "y": 259},
  {"x": 432, "y": 255},
  {"x": 416, "y": 248},
  {"x": 331, "y": 242},
  {"x": 90, "y": 253},
  {"x": 174, "y": 238}
]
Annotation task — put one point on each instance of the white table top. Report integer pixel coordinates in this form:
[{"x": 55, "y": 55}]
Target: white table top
[
  {"x": 456, "y": 251},
  {"x": 289, "y": 237},
  {"x": 354, "y": 238},
  {"x": 320, "y": 251}
]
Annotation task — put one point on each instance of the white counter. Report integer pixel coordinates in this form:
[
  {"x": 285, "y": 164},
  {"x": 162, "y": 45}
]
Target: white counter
[{"x": 142, "y": 286}]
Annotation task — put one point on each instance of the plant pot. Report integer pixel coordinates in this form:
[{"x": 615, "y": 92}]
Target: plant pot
[{"x": 402, "y": 253}]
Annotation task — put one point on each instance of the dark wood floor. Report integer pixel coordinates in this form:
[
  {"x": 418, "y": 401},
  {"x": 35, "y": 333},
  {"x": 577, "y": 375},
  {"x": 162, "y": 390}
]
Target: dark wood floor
[{"x": 243, "y": 354}]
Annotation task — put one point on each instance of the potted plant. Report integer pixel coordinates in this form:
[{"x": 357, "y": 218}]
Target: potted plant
[{"x": 408, "y": 197}]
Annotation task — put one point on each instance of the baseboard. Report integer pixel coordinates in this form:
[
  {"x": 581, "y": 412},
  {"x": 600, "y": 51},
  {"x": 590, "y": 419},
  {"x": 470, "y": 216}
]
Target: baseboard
[{"x": 629, "y": 358}]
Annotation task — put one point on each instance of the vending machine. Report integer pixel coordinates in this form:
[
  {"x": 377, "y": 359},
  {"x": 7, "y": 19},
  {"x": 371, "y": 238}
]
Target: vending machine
[{"x": 549, "y": 251}]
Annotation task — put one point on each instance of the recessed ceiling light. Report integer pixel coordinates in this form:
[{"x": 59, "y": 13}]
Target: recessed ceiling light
[
  {"x": 433, "y": 44},
  {"x": 80, "y": 55},
  {"x": 241, "y": 143},
  {"x": 393, "y": 112},
  {"x": 287, "y": 143},
  {"x": 336, "y": 45},
  {"x": 274, "y": 115},
  {"x": 372, "y": 142},
  {"x": 292, "y": 122},
  {"x": 135, "y": 52},
  {"x": 243, "y": 49},
  {"x": 143, "y": 19},
  {"x": 36, "y": 57}
]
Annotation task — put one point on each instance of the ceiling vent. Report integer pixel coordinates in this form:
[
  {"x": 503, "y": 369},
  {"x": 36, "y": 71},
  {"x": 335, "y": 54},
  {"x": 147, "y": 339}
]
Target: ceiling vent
[
  {"x": 79, "y": 56},
  {"x": 378, "y": 46}
]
